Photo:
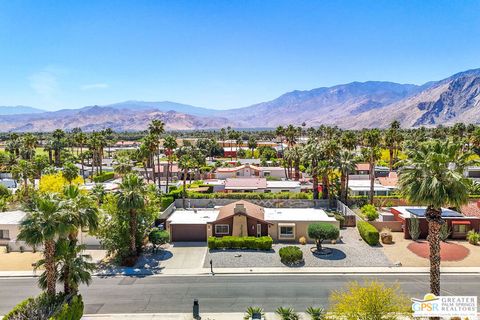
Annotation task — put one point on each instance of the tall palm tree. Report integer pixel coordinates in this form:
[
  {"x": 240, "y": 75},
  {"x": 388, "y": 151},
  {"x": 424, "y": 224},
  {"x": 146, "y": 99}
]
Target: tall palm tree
[
  {"x": 393, "y": 137},
  {"x": 312, "y": 155},
  {"x": 433, "y": 176},
  {"x": 58, "y": 144},
  {"x": 122, "y": 165},
  {"x": 142, "y": 154},
  {"x": 185, "y": 163},
  {"x": 345, "y": 163},
  {"x": 23, "y": 170},
  {"x": 42, "y": 227},
  {"x": 252, "y": 144},
  {"x": 29, "y": 142},
  {"x": 280, "y": 133},
  {"x": 371, "y": 142},
  {"x": 151, "y": 144},
  {"x": 81, "y": 140},
  {"x": 131, "y": 198},
  {"x": 157, "y": 128},
  {"x": 170, "y": 144}
]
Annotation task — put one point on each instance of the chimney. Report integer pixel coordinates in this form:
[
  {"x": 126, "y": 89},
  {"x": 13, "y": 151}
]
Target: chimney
[{"x": 239, "y": 209}]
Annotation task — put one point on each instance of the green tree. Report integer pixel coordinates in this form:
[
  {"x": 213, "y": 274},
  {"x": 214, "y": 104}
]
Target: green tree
[
  {"x": 371, "y": 301},
  {"x": 433, "y": 176},
  {"x": 24, "y": 171},
  {"x": 322, "y": 231},
  {"x": 131, "y": 198},
  {"x": 371, "y": 141},
  {"x": 69, "y": 172},
  {"x": 170, "y": 144},
  {"x": 42, "y": 227},
  {"x": 346, "y": 163}
]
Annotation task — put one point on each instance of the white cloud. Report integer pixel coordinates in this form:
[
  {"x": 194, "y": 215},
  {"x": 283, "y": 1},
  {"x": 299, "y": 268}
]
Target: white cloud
[{"x": 93, "y": 86}]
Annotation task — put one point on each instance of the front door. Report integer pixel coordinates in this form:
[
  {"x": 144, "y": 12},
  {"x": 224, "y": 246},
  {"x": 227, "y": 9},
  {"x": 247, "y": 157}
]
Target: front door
[{"x": 259, "y": 230}]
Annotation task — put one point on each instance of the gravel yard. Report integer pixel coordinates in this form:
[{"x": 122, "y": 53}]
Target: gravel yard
[{"x": 350, "y": 252}]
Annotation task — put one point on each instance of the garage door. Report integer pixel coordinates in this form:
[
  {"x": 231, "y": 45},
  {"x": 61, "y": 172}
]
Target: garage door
[{"x": 188, "y": 232}]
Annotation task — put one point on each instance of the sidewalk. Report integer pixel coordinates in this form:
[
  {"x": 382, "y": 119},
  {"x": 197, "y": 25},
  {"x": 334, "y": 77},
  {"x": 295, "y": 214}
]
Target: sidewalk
[{"x": 263, "y": 271}]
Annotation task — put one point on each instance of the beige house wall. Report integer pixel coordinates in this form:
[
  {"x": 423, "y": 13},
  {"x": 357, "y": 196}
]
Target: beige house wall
[
  {"x": 240, "y": 227},
  {"x": 301, "y": 229}
]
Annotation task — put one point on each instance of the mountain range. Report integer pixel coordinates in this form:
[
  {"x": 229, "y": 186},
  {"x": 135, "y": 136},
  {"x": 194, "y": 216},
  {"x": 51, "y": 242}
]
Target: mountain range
[{"x": 354, "y": 105}]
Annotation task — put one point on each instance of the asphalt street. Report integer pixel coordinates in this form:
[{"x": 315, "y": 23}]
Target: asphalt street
[{"x": 157, "y": 294}]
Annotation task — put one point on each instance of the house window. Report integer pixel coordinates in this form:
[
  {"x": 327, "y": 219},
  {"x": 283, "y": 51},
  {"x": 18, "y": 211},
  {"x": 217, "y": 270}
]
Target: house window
[
  {"x": 266, "y": 173},
  {"x": 222, "y": 229},
  {"x": 4, "y": 234},
  {"x": 460, "y": 228},
  {"x": 286, "y": 231}
]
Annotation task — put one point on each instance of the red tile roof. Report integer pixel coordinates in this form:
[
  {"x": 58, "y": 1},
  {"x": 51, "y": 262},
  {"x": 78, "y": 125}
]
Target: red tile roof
[
  {"x": 246, "y": 183},
  {"x": 390, "y": 181},
  {"x": 472, "y": 209}
]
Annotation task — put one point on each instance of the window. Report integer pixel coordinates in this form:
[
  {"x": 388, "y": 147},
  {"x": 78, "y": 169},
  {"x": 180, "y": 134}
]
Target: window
[
  {"x": 287, "y": 231},
  {"x": 4, "y": 234},
  {"x": 222, "y": 229},
  {"x": 266, "y": 173},
  {"x": 460, "y": 228}
]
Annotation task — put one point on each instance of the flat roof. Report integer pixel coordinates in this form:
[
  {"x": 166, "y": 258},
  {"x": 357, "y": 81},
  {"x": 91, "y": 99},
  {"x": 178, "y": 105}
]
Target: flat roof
[
  {"x": 419, "y": 211},
  {"x": 283, "y": 184},
  {"x": 296, "y": 214},
  {"x": 12, "y": 217},
  {"x": 193, "y": 216}
]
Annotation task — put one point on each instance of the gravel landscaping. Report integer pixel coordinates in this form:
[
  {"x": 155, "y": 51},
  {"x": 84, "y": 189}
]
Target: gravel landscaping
[{"x": 351, "y": 251}]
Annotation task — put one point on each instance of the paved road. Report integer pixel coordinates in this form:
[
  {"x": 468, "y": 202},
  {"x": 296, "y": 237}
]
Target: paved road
[{"x": 223, "y": 293}]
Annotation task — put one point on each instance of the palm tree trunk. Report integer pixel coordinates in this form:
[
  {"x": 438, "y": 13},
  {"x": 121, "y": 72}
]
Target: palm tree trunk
[
  {"x": 372, "y": 180},
  {"x": 297, "y": 171},
  {"x": 133, "y": 232},
  {"x": 324, "y": 187},
  {"x": 390, "y": 159},
  {"x": 434, "y": 218},
  {"x": 184, "y": 193},
  {"x": 152, "y": 161},
  {"x": 342, "y": 187},
  {"x": 50, "y": 267},
  {"x": 159, "y": 179},
  {"x": 315, "y": 187},
  {"x": 168, "y": 171}
]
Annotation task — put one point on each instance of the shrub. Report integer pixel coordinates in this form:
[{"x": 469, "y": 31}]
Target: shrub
[
  {"x": 291, "y": 255},
  {"x": 370, "y": 212},
  {"x": 46, "y": 307},
  {"x": 158, "y": 237},
  {"x": 287, "y": 313},
  {"x": 414, "y": 227},
  {"x": 103, "y": 177},
  {"x": 444, "y": 231},
  {"x": 473, "y": 237},
  {"x": 302, "y": 240},
  {"x": 253, "y": 310},
  {"x": 372, "y": 300},
  {"x": 322, "y": 231},
  {"x": 368, "y": 233},
  {"x": 316, "y": 313},
  {"x": 166, "y": 202},
  {"x": 340, "y": 219},
  {"x": 4, "y": 191},
  {"x": 231, "y": 242}
]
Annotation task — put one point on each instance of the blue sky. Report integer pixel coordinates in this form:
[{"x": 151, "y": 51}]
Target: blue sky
[{"x": 223, "y": 54}]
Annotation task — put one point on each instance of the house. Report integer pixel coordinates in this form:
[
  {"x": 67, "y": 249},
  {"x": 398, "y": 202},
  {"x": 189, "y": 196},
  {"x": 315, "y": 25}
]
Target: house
[
  {"x": 458, "y": 223},
  {"x": 245, "y": 184},
  {"x": 243, "y": 218},
  {"x": 174, "y": 172},
  {"x": 473, "y": 173},
  {"x": 283, "y": 186},
  {"x": 231, "y": 152},
  {"x": 364, "y": 169},
  {"x": 361, "y": 187},
  {"x": 249, "y": 170},
  {"x": 10, "y": 228},
  {"x": 390, "y": 181}
]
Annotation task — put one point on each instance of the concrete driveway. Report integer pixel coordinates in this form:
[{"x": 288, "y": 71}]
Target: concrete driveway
[{"x": 185, "y": 255}]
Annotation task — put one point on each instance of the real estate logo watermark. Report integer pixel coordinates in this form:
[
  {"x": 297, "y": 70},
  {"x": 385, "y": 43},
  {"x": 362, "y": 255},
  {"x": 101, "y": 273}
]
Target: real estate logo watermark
[{"x": 445, "y": 306}]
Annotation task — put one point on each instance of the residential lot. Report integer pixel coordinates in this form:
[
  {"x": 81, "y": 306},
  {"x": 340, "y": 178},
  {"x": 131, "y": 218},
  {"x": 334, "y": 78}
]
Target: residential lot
[
  {"x": 398, "y": 252},
  {"x": 351, "y": 251}
]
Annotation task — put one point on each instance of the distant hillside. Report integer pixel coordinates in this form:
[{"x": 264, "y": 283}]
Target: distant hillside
[
  {"x": 7, "y": 110},
  {"x": 352, "y": 106}
]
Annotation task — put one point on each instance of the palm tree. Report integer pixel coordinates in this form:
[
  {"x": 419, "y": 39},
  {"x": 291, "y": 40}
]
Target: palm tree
[
  {"x": 151, "y": 144},
  {"x": 252, "y": 144},
  {"x": 43, "y": 226},
  {"x": 312, "y": 155},
  {"x": 74, "y": 267},
  {"x": 142, "y": 154},
  {"x": 58, "y": 144},
  {"x": 185, "y": 163},
  {"x": 433, "y": 176},
  {"x": 393, "y": 137},
  {"x": 69, "y": 172},
  {"x": 345, "y": 163},
  {"x": 81, "y": 140},
  {"x": 99, "y": 193},
  {"x": 29, "y": 142},
  {"x": 157, "y": 128},
  {"x": 131, "y": 198},
  {"x": 122, "y": 166},
  {"x": 170, "y": 144},
  {"x": 23, "y": 170},
  {"x": 371, "y": 141},
  {"x": 280, "y": 133}
]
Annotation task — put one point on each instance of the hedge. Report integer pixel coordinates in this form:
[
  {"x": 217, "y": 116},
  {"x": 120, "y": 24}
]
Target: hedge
[
  {"x": 43, "y": 306},
  {"x": 166, "y": 202},
  {"x": 368, "y": 233},
  {"x": 291, "y": 255},
  {"x": 231, "y": 242},
  {"x": 249, "y": 195},
  {"x": 103, "y": 177}
]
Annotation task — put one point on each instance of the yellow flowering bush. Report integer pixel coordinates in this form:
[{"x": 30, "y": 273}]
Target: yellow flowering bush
[{"x": 56, "y": 182}]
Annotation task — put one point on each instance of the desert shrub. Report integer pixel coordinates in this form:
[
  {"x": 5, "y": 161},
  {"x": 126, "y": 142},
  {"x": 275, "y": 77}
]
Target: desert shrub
[
  {"x": 372, "y": 300},
  {"x": 316, "y": 313},
  {"x": 473, "y": 237},
  {"x": 287, "y": 313},
  {"x": 231, "y": 242},
  {"x": 414, "y": 227},
  {"x": 370, "y": 212},
  {"x": 302, "y": 240},
  {"x": 444, "y": 231},
  {"x": 291, "y": 255},
  {"x": 251, "y": 311},
  {"x": 4, "y": 191},
  {"x": 58, "y": 307},
  {"x": 103, "y": 177},
  {"x": 368, "y": 233},
  {"x": 158, "y": 237},
  {"x": 340, "y": 219}
]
